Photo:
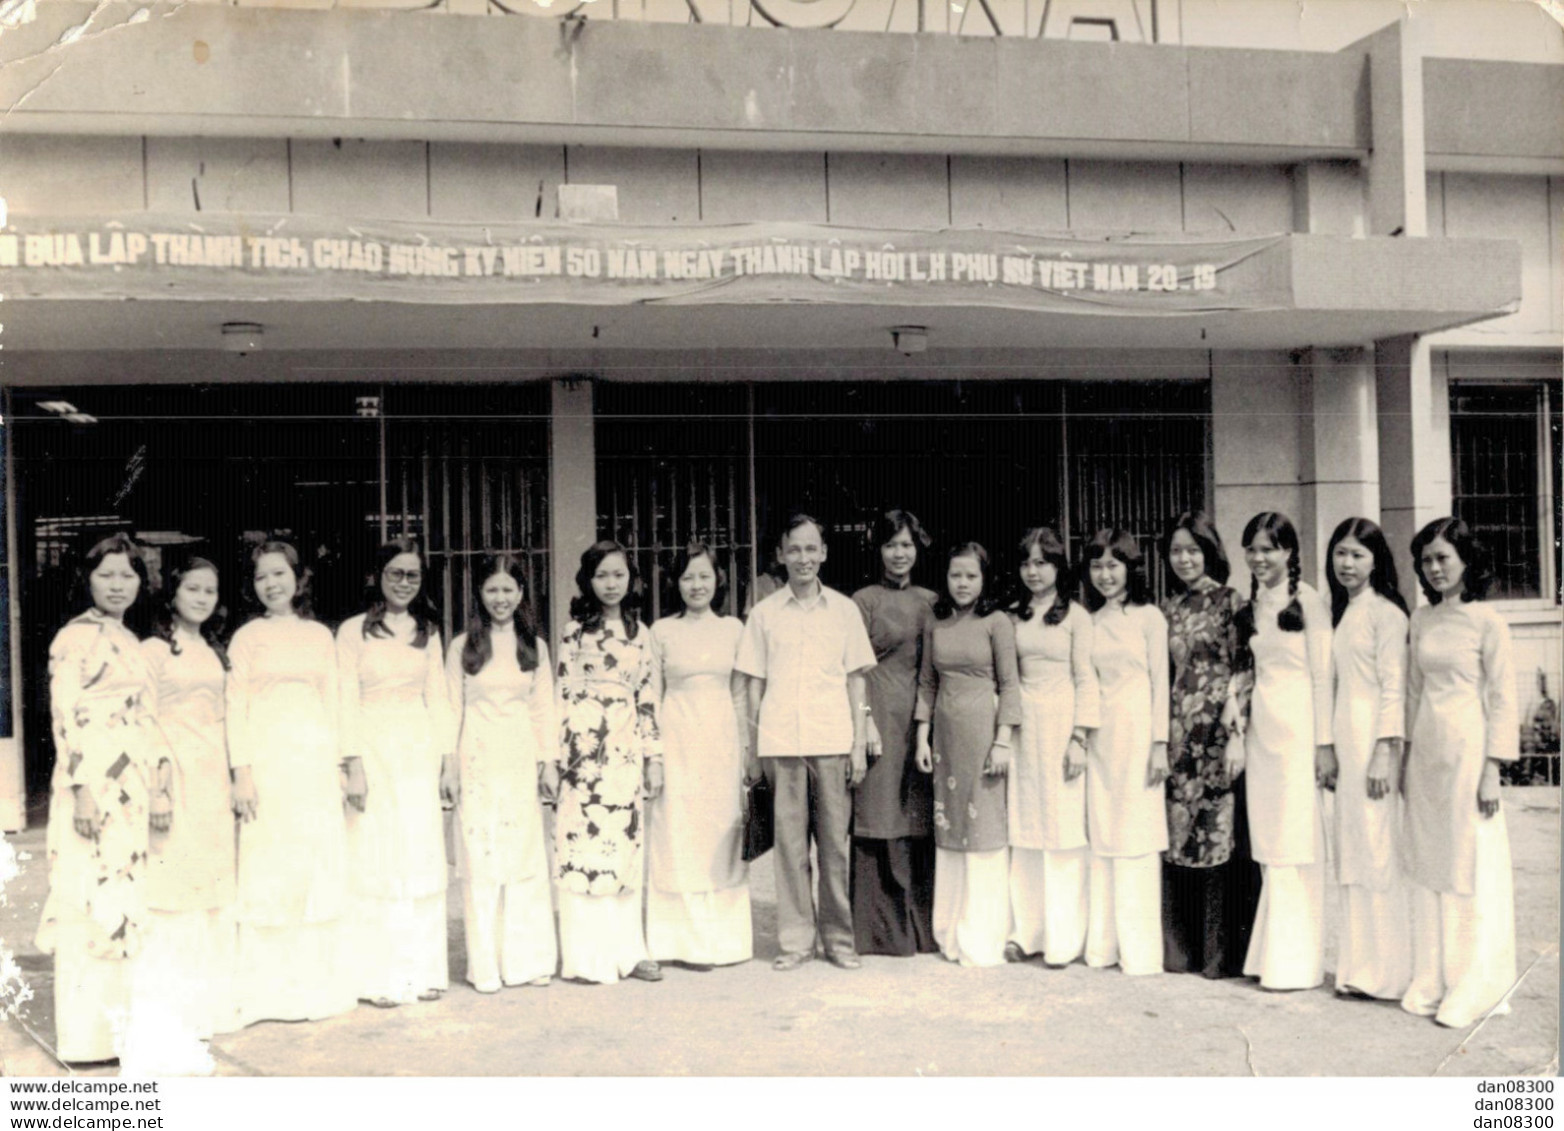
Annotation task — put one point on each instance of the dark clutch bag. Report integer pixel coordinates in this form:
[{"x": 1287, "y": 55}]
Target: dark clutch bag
[{"x": 759, "y": 819}]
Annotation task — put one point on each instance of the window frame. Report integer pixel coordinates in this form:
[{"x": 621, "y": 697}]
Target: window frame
[{"x": 1546, "y": 607}]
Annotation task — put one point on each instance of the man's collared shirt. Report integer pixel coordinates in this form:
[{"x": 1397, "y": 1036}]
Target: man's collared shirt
[{"x": 804, "y": 652}]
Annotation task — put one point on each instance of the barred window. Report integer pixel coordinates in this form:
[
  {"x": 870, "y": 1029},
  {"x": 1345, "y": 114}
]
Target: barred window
[
  {"x": 1504, "y": 440},
  {"x": 972, "y": 459}
]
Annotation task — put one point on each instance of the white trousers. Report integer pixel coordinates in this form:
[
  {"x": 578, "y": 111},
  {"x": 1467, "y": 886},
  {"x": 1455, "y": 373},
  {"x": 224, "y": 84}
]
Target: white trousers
[
  {"x": 183, "y": 991},
  {"x": 399, "y": 947},
  {"x": 1048, "y": 902},
  {"x": 1124, "y": 924},
  {"x": 1287, "y": 949},
  {"x": 294, "y": 973},
  {"x": 704, "y": 927},
  {"x": 601, "y": 938},
  {"x": 510, "y": 932},
  {"x": 91, "y": 996},
  {"x": 1463, "y": 946},
  {"x": 972, "y": 905},
  {"x": 1374, "y": 947}
]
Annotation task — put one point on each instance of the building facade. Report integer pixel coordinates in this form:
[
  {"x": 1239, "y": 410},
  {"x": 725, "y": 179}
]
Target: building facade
[{"x": 507, "y": 275}]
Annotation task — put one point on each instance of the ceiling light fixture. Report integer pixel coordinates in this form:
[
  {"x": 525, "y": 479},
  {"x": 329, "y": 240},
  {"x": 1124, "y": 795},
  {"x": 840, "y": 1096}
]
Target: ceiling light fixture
[
  {"x": 910, "y": 339},
  {"x": 67, "y": 411},
  {"x": 242, "y": 337}
]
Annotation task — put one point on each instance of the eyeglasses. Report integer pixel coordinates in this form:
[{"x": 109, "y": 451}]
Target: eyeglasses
[{"x": 402, "y": 576}]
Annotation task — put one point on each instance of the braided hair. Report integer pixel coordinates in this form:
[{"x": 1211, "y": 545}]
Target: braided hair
[{"x": 1281, "y": 533}]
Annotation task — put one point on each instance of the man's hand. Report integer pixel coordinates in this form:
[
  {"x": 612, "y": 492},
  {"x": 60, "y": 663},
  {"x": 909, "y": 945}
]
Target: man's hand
[{"x": 857, "y": 766}]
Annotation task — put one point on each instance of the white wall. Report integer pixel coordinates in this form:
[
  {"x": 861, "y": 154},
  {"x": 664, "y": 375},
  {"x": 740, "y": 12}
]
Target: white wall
[
  {"x": 1521, "y": 208},
  {"x": 1512, "y": 30}
]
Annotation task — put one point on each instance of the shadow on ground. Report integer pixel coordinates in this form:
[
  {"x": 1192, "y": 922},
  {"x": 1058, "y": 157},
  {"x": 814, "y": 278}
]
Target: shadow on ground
[{"x": 894, "y": 1017}]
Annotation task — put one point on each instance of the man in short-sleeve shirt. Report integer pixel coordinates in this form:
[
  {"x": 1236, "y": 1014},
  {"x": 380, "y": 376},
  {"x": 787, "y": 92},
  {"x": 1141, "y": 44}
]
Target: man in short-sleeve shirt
[{"x": 806, "y": 651}]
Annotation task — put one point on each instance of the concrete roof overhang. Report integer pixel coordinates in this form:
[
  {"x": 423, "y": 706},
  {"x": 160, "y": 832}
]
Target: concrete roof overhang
[{"x": 221, "y": 71}]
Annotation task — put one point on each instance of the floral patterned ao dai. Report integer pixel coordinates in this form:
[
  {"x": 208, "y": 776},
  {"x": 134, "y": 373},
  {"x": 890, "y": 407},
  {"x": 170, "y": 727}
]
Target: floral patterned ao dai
[
  {"x": 608, "y": 730},
  {"x": 1210, "y": 882},
  {"x": 94, "y": 918}
]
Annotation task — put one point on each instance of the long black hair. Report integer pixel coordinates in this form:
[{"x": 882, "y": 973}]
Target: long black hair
[
  {"x": 988, "y": 600},
  {"x": 1046, "y": 541},
  {"x": 692, "y": 552},
  {"x": 1383, "y": 580},
  {"x": 119, "y": 543},
  {"x": 303, "y": 603},
  {"x": 164, "y": 616},
  {"x": 1284, "y": 536},
  {"x": 478, "y": 647},
  {"x": 426, "y": 620},
  {"x": 1198, "y": 525},
  {"x": 1478, "y": 576},
  {"x": 1122, "y": 545},
  {"x": 586, "y": 610}
]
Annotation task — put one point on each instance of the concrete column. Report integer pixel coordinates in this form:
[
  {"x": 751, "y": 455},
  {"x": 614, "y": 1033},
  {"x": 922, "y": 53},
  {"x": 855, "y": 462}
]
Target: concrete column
[
  {"x": 1414, "y": 445},
  {"x": 1397, "y": 168},
  {"x": 1327, "y": 199},
  {"x": 13, "y": 771},
  {"x": 572, "y": 492},
  {"x": 1255, "y": 458},
  {"x": 1338, "y": 447}
]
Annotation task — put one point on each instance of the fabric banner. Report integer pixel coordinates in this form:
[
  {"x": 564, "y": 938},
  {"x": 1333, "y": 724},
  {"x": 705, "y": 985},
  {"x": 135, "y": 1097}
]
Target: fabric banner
[{"x": 304, "y": 258}]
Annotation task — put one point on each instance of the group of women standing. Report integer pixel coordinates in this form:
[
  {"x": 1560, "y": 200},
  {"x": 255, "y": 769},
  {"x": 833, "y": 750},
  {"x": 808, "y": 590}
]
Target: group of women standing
[
  {"x": 1058, "y": 769},
  {"x": 1162, "y": 789},
  {"x": 336, "y": 755}
]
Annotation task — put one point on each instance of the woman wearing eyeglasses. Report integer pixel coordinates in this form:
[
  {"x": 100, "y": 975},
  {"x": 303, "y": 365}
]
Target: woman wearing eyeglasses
[{"x": 396, "y": 716}]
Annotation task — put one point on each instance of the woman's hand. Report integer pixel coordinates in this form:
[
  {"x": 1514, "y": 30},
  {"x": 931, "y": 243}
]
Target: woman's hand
[
  {"x": 925, "y": 758},
  {"x": 245, "y": 801},
  {"x": 1325, "y": 767},
  {"x": 160, "y": 802},
  {"x": 160, "y": 808},
  {"x": 354, "y": 787},
  {"x": 1074, "y": 758},
  {"x": 1488, "y": 789},
  {"x": 1157, "y": 765},
  {"x": 873, "y": 747},
  {"x": 87, "y": 818},
  {"x": 997, "y": 764},
  {"x": 450, "y": 783},
  {"x": 1382, "y": 770},
  {"x": 548, "y": 783},
  {"x": 1236, "y": 756},
  {"x": 654, "y": 778}
]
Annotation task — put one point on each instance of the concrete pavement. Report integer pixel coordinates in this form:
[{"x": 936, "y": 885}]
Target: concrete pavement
[{"x": 894, "y": 1017}]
